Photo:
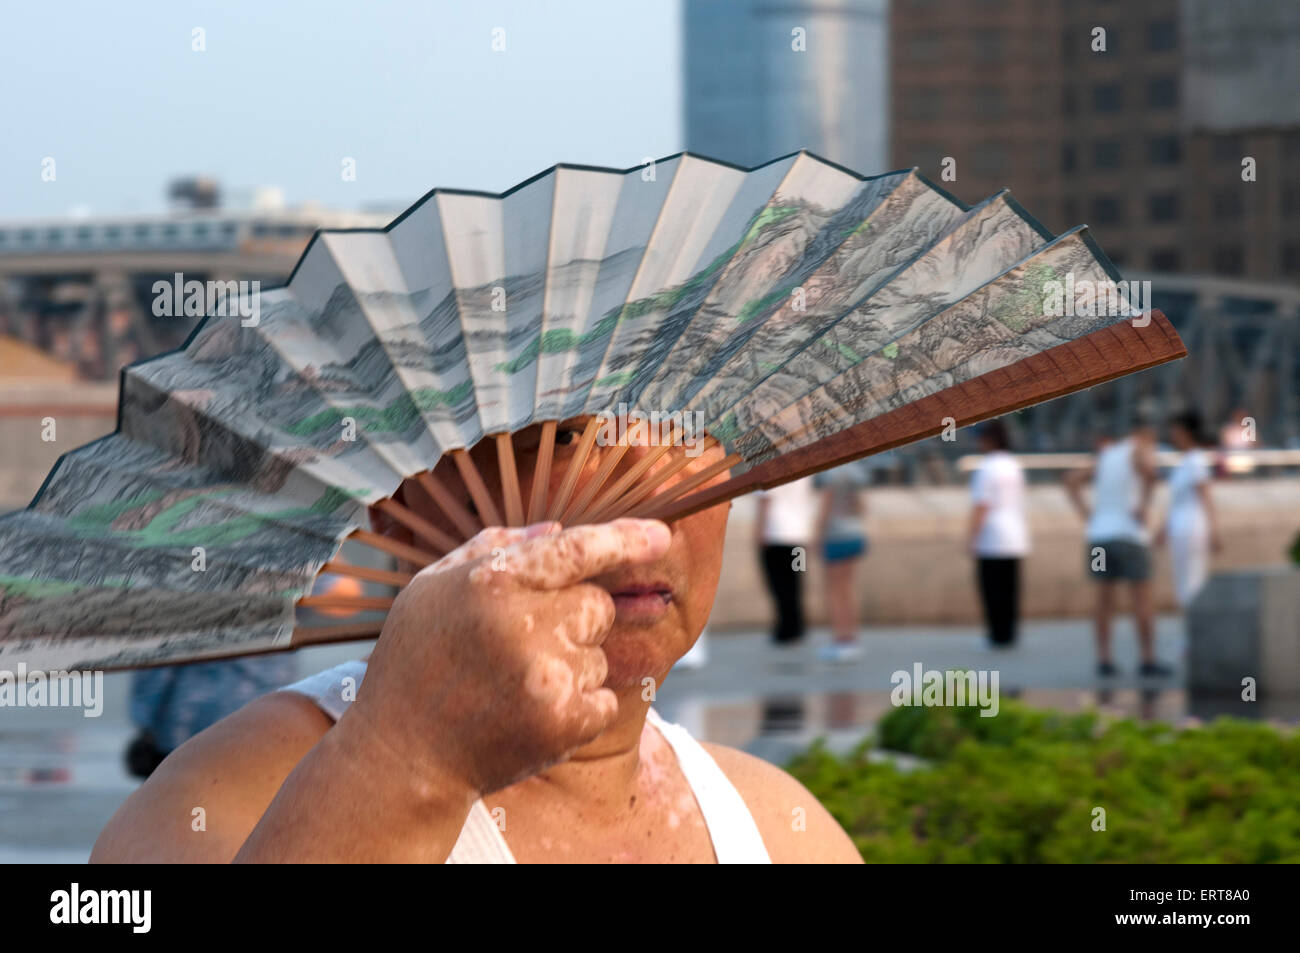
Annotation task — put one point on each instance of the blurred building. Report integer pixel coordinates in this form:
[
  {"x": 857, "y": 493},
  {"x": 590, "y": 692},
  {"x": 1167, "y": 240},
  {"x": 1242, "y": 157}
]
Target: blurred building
[
  {"x": 81, "y": 289},
  {"x": 1243, "y": 344},
  {"x": 1143, "y": 140},
  {"x": 765, "y": 79}
]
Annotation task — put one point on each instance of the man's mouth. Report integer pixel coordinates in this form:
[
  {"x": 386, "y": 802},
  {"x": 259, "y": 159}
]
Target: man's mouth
[{"x": 642, "y": 602}]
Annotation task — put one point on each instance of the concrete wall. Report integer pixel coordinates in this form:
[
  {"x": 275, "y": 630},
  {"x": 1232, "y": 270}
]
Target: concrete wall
[
  {"x": 82, "y": 412},
  {"x": 1243, "y": 624},
  {"x": 918, "y": 570}
]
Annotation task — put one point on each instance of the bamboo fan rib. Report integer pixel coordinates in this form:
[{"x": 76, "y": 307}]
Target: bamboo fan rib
[{"x": 466, "y": 366}]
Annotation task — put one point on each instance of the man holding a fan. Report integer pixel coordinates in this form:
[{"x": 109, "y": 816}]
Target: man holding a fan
[{"x": 504, "y": 715}]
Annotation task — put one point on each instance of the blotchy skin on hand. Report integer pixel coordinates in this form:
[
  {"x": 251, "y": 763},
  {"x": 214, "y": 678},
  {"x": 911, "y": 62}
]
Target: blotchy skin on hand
[
  {"x": 396, "y": 777},
  {"x": 460, "y": 699},
  {"x": 460, "y": 671},
  {"x": 456, "y": 651}
]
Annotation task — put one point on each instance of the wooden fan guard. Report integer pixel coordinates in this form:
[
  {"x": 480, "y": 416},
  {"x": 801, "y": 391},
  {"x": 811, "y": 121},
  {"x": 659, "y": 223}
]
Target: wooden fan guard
[{"x": 1102, "y": 355}]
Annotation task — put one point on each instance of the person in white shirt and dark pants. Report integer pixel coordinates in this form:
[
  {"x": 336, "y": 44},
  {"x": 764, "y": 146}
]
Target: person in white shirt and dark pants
[
  {"x": 999, "y": 535},
  {"x": 785, "y": 527}
]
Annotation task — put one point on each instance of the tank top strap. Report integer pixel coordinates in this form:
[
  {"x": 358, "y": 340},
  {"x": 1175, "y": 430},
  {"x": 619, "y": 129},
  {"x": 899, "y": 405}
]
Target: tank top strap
[
  {"x": 480, "y": 840},
  {"x": 333, "y": 689},
  {"x": 736, "y": 839},
  {"x": 731, "y": 827}
]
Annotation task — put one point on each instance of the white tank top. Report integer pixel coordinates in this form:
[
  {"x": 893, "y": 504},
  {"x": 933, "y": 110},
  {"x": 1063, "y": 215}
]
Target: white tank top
[
  {"x": 1187, "y": 515},
  {"x": 731, "y": 827},
  {"x": 1116, "y": 491}
]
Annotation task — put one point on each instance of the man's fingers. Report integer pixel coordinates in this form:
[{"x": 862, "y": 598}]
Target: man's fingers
[
  {"x": 488, "y": 541},
  {"x": 596, "y": 711},
  {"x": 555, "y": 562},
  {"x": 591, "y": 617},
  {"x": 592, "y": 668}
]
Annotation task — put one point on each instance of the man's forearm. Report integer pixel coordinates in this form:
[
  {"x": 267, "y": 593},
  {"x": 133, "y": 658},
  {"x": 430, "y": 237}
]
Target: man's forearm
[{"x": 353, "y": 800}]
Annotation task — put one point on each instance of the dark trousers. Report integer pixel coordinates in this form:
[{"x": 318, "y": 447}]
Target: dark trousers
[
  {"x": 999, "y": 582},
  {"x": 785, "y": 585}
]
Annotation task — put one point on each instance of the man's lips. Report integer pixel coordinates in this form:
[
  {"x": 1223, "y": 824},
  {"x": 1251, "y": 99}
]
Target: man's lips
[{"x": 650, "y": 600}]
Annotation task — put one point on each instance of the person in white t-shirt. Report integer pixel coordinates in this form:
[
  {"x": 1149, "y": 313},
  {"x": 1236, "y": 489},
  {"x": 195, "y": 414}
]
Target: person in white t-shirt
[
  {"x": 1116, "y": 550},
  {"x": 1190, "y": 526},
  {"x": 786, "y": 516},
  {"x": 999, "y": 535}
]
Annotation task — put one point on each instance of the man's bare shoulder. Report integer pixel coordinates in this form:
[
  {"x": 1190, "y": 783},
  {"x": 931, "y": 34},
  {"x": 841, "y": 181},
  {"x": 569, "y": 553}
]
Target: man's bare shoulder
[
  {"x": 796, "y": 828},
  {"x": 202, "y": 802}
]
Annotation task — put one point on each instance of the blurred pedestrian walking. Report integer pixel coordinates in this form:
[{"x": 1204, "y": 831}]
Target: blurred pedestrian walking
[
  {"x": 841, "y": 539},
  {"x": 171, "y": 704},
  {"x": 1190, "y": 528},
  {"x": 1123, "y": 477},
  {"x": 999, "y": 534},
  {"x": 784, "y": 530}
]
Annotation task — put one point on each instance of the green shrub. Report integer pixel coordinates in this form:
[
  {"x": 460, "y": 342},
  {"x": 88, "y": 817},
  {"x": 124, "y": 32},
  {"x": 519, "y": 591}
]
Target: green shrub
[{"x": 1021, "y": 788}]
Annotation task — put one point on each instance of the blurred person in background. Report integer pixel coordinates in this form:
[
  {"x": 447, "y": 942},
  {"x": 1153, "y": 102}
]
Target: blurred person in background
[
  {"x": 1190, "y": 528},
  {"x": 841, "y": 538},
  {"x": 784, "y": 528},
  {"x": 1123, "y": 477},
  {"x": 172, "y": 704},
  {"x": 999, "y": 535},
  {"x": 1237, "y": 439}
]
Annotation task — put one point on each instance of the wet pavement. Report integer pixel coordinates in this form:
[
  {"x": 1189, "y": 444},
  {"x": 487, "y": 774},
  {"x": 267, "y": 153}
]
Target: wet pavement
[
  {"x": 61, "y": 774},
  {"x": 774, "y": 703}
]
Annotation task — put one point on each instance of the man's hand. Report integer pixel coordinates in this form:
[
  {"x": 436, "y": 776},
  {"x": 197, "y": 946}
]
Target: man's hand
[{"x": 490, "y": 668}]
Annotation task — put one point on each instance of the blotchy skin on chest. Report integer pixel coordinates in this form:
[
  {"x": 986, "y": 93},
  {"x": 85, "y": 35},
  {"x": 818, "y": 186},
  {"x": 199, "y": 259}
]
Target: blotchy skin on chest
[{"x": 657, "y": 822}]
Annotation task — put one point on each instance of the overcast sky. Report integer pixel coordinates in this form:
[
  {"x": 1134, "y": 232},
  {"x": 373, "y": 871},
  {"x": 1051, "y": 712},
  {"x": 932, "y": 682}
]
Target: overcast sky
[{"x": 285, "y": 89}]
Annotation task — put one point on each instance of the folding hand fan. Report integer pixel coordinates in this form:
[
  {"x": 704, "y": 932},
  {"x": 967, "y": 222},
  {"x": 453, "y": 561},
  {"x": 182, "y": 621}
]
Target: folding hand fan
[{"x": 794, "y": 316}]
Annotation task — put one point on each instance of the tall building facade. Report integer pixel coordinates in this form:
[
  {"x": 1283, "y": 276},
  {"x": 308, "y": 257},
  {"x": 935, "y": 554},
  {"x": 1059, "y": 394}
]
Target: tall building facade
[
  {"x": 765, "y": 78},
  {"x": 1136, "y": 118}
]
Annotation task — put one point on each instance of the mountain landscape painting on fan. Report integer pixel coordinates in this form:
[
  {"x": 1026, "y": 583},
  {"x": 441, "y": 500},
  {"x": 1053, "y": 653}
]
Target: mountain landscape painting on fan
[{"x": 405, "y": 386}]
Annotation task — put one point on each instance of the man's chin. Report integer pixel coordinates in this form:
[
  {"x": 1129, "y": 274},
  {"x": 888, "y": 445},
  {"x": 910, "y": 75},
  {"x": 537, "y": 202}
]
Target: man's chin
[{"x": 639, "y": 652}]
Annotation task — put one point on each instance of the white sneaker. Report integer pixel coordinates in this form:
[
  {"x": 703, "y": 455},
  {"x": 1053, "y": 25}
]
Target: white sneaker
[{"x": 838, "y": 652}]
